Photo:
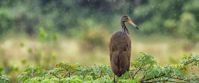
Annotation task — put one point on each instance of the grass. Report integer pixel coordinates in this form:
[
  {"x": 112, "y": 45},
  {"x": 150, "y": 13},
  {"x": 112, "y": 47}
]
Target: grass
[{"x": 166, "y": 50}]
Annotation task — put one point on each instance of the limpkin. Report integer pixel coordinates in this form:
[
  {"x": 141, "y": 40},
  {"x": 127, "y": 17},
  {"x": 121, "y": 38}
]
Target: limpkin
[{"x": 120, "y": 48}]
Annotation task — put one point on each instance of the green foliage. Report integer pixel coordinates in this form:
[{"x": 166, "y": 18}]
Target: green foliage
[
  {"x": 188, "y": 26},
  {"x": 143, "y": 69},
  {"x": 144, "y": 60},
  {"x": 4, "y": 79},
  {"x": 45, "y": 35},
  {"x": 6, "y": 22},
  {"x": 41, "y": 57},
  {"x": 31, "y": 72},
  {"x": 191, "y": 60},
  {"x": 170, "y": 17}
]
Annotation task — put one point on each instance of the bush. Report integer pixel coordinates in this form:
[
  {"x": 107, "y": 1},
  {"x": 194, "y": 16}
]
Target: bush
[{"x": 144, "y": 69}]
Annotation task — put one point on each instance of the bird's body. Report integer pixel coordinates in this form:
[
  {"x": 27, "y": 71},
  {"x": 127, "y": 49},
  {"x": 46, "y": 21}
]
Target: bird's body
[
  {"x": 120, "y": 52},
  {"x": 120, "y": 49}
]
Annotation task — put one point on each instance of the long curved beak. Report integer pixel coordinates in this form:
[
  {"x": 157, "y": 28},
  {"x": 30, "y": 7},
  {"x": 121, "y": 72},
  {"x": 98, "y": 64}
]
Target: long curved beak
[{"x": 132, "y": 23}]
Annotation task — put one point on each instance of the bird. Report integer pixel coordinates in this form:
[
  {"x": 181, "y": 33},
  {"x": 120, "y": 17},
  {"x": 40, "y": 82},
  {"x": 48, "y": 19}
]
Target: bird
[{"x": 120, "y": 48}]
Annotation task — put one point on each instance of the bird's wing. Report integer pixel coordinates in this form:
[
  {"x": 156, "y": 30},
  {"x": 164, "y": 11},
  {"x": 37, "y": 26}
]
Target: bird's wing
[
  {"x": 114, "y": 51},
  {"x": 112, "y": 48}
]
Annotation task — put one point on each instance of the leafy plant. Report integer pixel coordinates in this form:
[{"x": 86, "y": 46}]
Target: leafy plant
[
  {"x": 144, "y": 69},
  {"x": 4, "y": 79}
]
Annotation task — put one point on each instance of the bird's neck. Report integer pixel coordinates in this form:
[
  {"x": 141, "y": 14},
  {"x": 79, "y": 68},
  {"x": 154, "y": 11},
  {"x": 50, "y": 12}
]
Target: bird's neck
[{"x": 124, "y": 28}]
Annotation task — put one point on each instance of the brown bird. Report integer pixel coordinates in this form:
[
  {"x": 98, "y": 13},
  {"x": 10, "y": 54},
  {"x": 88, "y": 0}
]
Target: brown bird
[{"x": 120, "y": 48}]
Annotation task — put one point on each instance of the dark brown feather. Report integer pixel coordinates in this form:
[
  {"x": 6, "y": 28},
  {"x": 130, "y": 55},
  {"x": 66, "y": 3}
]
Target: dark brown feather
[{"x": 120, "y": 52}]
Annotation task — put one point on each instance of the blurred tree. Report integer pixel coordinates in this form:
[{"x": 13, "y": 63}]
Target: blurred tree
[
  {"x": 6, "y": 22},
  {"x": 188, "y": 28},
  {"x": 154, "y": 16}
]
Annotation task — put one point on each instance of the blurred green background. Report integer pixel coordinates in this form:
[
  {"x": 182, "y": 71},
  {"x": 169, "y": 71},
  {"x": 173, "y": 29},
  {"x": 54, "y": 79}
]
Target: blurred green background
[{"x": 45, "y": 32}]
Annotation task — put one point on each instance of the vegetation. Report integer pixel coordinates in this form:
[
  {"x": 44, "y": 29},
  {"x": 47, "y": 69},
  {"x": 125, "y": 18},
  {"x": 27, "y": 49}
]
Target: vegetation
[
  {"x": 144, "y": 69},
  {"x": 46, "y": 32},
  {"x": 171, "y": 17}
]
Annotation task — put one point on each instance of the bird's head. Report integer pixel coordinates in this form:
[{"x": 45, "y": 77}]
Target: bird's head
[{"x": 127, "y": 19}]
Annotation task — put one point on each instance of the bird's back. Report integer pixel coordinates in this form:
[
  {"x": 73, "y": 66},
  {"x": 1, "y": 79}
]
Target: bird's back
[{"x": 120, "y": 52}]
